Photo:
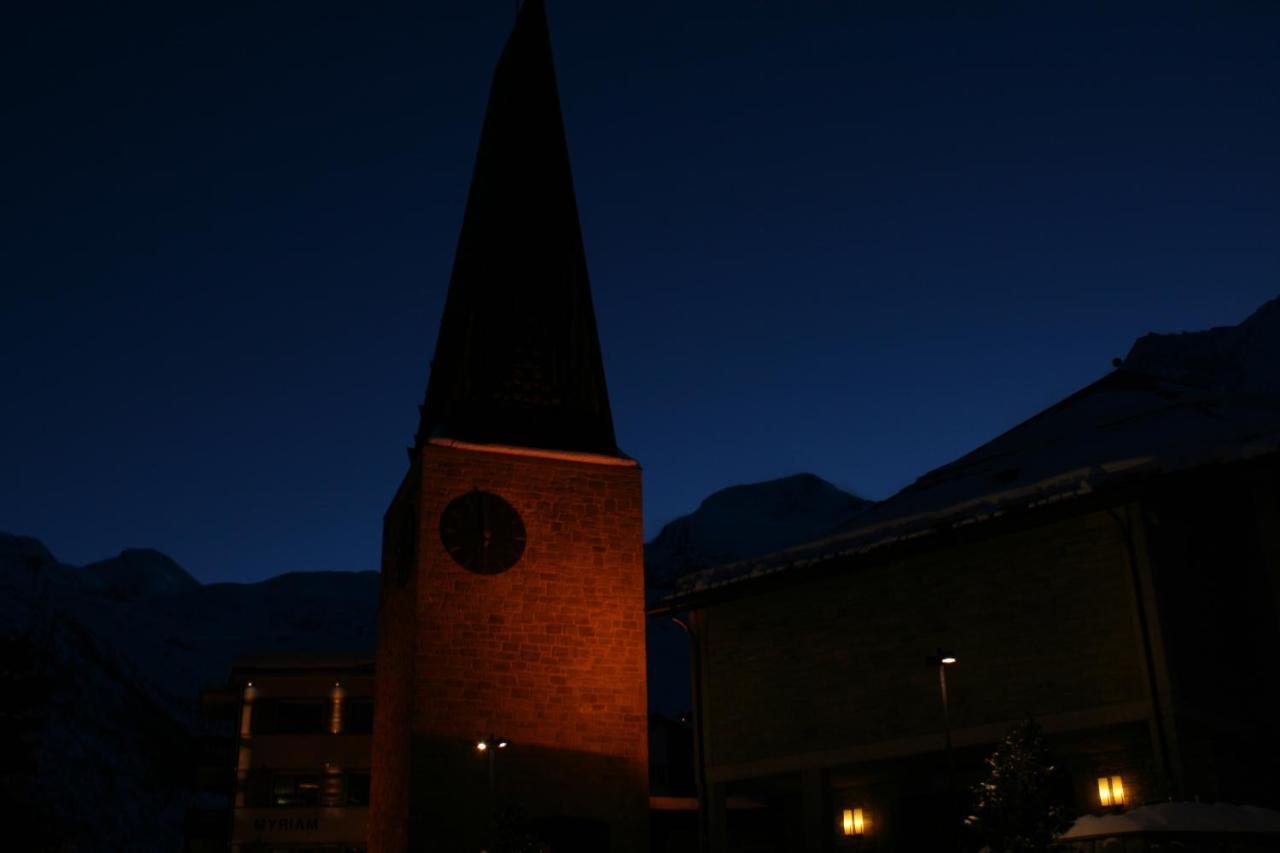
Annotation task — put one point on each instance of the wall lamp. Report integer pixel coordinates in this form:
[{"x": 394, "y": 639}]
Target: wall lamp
[
  {"x": 853, "y": 823},
  {"x": 492, "y": 741},
  {"x": 1111, "y": 791}
]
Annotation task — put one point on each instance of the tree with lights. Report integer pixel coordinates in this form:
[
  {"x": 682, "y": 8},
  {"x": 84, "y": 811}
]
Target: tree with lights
[{"x": 1018, "y": 808}]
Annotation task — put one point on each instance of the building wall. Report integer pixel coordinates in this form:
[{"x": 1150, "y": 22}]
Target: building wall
[
  {"x": 393, "y": 710},
  {"x": 549, "y": 654},
  {"x": 1217, "y": 573},
  {"x": 815, "y": 691},
  {"x": 1041, "y": 621},
  {"x": 331, "y": 751}
]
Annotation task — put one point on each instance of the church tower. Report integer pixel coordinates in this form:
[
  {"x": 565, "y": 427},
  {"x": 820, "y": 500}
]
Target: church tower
[{"x": 512, "y": 602}]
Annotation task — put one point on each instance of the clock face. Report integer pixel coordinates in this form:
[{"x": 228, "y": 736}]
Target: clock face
[{"x": 482, "y": 532}]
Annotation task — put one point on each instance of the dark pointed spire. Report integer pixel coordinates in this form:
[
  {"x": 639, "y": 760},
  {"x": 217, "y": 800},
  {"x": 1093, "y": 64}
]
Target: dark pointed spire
[{"x": 518, "y": 359}]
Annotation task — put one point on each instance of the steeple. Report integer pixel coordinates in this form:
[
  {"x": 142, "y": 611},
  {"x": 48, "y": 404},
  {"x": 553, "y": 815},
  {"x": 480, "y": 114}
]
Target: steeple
[{"x": 517, "y": 361}]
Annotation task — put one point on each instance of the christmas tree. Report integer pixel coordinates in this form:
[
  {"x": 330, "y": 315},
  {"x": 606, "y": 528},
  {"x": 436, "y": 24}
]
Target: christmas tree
[{"x": 1019, "y": 808}]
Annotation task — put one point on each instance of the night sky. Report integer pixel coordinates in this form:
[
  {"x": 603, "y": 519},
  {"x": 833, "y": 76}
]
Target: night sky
[{"x": 835, "y": 237}]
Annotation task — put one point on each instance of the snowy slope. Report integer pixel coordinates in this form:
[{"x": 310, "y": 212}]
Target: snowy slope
[
  {"x": 92, "y": 760},
  {"x": 1241, "y": 358},
  {"x": 140, "y": 573},
  {"x": 1176, "y": 402},
  {"x": 175, "y": 636},
  {"x": 183, "y": 642},
  {"x": 748, "y": 521},
  {"x": 1177, "y": 817},
  {"x": 102, "y": 667}
]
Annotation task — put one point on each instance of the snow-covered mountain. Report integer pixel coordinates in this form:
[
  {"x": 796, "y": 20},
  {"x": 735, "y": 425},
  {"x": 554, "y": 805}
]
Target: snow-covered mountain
[
  {"x": 140, "y": 573},
  {"x": 102, "y": 667},
  {"x": 93, "y": 761},
  {"x": 1244, "y": 357},
  {"x": 747, "y": 521}
]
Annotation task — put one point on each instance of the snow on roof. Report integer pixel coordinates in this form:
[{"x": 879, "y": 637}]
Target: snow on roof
[
  {"x": 1177, "y": 817},
  {"x": 1188, "y": 400}
]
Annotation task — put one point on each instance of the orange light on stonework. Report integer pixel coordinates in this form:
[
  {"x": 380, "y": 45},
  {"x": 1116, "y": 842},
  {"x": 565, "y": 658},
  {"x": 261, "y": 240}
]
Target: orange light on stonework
[
  {"x": 246, "y": 710},
  {"x": 1111, "y": 791},
  {"x": 331, "y": 792},
  {"x": 853, "y": 823},
  {"x": 336, "y": 696}
]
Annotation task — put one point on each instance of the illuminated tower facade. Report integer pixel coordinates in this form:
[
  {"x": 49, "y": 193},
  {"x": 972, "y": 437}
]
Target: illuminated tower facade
[{"x": 512, "y": 599}]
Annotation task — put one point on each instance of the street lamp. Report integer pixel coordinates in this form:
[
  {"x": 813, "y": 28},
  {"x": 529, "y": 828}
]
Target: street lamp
[
  {"x": 942, "y": 660},
  {"x": 488, "y": 747}
]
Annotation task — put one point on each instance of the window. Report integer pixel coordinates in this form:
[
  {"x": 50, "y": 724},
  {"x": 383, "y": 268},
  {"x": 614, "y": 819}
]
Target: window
[
  {"x": 296, "y": 789},
  {"x": 257, "y": 788},
  {"x": 357, "y": 716},
  {"x": 357, "y": 787},
  {"x": 288, "y": 716}
]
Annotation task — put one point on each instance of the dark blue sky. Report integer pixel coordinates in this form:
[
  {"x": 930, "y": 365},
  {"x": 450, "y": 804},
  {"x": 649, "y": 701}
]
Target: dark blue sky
[{"x": 822, "y": 236}]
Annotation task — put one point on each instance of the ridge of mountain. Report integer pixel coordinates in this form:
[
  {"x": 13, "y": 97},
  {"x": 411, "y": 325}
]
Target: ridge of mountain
[
  {"x": 137, "y": 573},
  {"x": 748, "y": 520},
  {"x": 1244, "y": 357}
]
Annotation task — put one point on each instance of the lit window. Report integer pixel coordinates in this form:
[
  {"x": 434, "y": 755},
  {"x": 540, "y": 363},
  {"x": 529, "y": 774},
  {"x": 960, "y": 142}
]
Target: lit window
[
  {"x": 853, "y": 823},
  {"x": 296, "y": 789}
]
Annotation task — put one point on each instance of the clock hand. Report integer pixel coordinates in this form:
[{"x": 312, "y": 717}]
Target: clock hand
[{"x": 485, "y": 533}]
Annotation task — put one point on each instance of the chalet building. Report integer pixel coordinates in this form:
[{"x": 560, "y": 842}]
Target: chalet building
[
  {"x": 293, "y": 777},
  {"x": 1110, "y": 567}
]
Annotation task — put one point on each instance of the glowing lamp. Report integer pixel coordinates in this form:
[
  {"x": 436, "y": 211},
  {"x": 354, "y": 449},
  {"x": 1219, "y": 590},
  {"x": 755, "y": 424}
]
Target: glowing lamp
[
  {"x": 852, "y": 823},
  {"x": 481, "y": 745},
  {"x": 335, "y": 709},
  {"x": 504, "y": 743},
  {"x": 1111, "y": 791},
  {"x": 940, "y": 659}
]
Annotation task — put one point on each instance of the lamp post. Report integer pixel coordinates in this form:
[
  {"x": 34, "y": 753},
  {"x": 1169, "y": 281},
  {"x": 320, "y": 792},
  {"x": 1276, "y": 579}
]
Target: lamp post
[
  {"x": 942, "y": 660},
  {"x": 488, "y": 747}
]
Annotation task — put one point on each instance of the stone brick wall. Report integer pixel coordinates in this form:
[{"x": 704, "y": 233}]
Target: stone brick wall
[
  {"x": 1041, "y": 621},
  {"x": 549, "y": 654},
  {"x": 393, "y": 695}
]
